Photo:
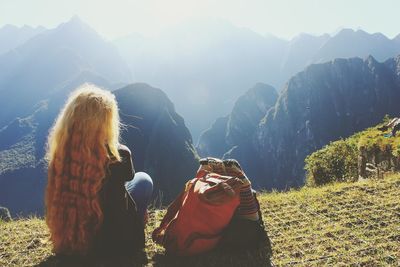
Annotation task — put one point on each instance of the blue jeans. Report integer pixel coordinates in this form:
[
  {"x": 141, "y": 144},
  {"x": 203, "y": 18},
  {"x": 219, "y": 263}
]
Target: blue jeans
[{"x": 141, "y": 189}]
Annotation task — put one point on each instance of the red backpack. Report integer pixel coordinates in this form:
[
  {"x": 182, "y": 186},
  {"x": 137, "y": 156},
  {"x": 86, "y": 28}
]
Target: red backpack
[{"x": 193, "y": 223}]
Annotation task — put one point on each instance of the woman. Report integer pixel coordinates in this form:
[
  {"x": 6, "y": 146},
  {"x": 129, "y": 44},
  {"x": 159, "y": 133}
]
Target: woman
[{"x": 88, "y": 208}]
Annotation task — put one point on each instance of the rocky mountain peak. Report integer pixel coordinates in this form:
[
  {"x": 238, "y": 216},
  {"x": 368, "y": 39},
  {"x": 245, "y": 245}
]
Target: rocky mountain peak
[
  {"x": 371, "y": 61},
  {"x": 76, "y": 27},
  {"x": 237, "y": 128},
  {"x": 160, "y": 142},
  {"x": 321, "y": 104}
]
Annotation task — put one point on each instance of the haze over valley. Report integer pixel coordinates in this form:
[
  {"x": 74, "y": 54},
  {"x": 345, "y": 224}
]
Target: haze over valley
[{"x": 202, "y": 87}]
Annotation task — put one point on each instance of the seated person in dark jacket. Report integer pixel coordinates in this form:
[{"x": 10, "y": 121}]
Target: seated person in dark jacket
[{"x": 88, "y": 206}]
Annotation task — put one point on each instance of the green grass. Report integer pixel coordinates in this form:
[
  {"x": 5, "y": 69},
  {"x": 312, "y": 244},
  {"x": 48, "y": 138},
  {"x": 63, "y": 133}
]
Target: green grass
[{"x": 344, "y": 224}]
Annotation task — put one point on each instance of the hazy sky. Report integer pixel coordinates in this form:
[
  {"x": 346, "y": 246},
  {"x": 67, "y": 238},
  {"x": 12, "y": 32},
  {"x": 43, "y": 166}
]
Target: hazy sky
[{"x": 283, "y": 18}]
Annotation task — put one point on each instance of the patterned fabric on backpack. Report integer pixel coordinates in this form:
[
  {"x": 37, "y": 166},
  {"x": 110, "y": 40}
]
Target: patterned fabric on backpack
[
  {"x": 209, "y": 210},
  {"x": 196, "y": 219}
]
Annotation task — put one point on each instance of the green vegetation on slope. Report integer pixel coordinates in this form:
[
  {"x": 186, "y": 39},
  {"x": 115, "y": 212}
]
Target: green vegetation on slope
[
  {"x": 338, "y": 161},
  {"x": 340, "y": 224}
]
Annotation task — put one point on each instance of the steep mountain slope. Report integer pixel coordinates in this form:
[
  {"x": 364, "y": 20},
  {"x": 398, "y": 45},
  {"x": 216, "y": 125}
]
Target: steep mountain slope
[
  {"x": 300, "y": 52},
  {"x": 323, "y": 103},
  {"x": 238, "y": 127},
  {"x": 319, "y": 105},
  {"x": 43, "y": 65},
  {"x": 160, "y": 142}
]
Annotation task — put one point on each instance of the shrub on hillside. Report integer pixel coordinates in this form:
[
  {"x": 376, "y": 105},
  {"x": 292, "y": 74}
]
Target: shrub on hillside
[{"x": 336, "y": 162}]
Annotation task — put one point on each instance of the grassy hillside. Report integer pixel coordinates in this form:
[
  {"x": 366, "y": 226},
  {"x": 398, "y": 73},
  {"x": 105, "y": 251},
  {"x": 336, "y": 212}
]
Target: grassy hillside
[{"x": 340, "y": 225}]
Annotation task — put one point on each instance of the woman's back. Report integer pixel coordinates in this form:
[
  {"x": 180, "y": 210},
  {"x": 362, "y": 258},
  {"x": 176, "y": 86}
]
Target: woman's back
[
  {"x": 122, "y": 231},
  {"x": 87, "y": 206}
]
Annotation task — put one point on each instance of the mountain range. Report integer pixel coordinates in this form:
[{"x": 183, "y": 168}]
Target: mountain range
[
  {"x": 304, "y": 93},
  {"x": 43, "y": 71},
  {"x": 49, "y": 61},
  {"x": 205, "y": 65},
  {"x": 323, "y": 103}
]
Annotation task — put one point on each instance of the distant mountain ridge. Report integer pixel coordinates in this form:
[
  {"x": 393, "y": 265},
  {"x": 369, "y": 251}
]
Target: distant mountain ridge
[
  {"x": 47, "y": 62},
  {"x": 12, "y": 36},
  {"x": 205, "y": 65},
  {"x": 35, "y": 80}
]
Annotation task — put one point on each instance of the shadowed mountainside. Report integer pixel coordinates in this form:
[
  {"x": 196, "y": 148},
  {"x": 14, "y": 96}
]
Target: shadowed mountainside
[
  {"x": 236, "y": 129},
  {"x": 160, "y": 142},
  {"x": 320, "y": 104}
]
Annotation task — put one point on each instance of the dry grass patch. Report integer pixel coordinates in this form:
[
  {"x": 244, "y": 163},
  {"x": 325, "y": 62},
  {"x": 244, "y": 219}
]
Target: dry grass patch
[
  {"x": 339, "y": 225},
  {"x": 353, "y": 224}
]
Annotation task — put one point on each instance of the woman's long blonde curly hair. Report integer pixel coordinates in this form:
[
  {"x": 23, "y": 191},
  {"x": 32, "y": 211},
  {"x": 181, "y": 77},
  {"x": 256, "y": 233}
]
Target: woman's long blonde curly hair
[{"x": 78, "y": 147}]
